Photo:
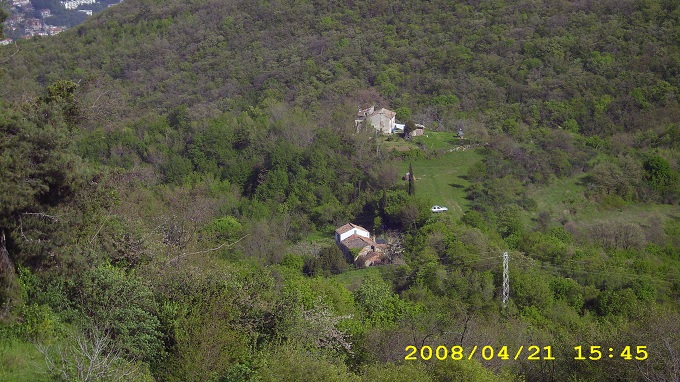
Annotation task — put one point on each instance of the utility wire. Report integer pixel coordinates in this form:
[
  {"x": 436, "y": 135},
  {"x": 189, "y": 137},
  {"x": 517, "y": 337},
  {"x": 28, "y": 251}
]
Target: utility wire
[
  {"x": 539, "y": 262},
  {"x": 609, "y": 271}
]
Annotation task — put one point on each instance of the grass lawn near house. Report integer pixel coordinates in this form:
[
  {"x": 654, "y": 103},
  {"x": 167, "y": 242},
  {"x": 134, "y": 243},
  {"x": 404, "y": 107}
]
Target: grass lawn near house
[
  {"x": 395, "y": 143},
  {"x": 439, "y": 140},
  {"x": 432, "y": 140},
  {"x": 441, "y": 181}
]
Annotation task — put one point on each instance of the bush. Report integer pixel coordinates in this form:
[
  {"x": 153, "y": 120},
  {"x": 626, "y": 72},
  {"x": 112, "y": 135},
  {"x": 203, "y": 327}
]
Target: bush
[
  {"x": 616, "y": 235},
  {"x": 124, "y": 308},
  {"x": 293, "y": 364},
  {"x": 40, "y": 323},
  {"x": 331, "y": 261}
]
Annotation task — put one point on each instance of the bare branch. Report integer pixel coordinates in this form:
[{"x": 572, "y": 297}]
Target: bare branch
[
  {"x": 100, "y": 228},
  {"x": 97, "y": 100},
  {"x": 42, "y": 215},
  {"x": 88, "y": 355},
  {"x": 38, "y": 214},
  {"x": 12, "y": 55},
  {"x": 174, "y": 259}
]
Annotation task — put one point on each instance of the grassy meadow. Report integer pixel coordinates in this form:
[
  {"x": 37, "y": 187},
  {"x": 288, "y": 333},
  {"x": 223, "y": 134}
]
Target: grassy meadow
[
  {"x": 21, "y": 362},
  {"x": 440, "y": 172}
]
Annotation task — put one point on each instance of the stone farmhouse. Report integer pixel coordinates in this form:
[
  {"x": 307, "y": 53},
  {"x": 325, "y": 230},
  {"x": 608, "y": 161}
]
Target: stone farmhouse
[
  {"x": 367, "y": 252},
  {"x": 383, "y": 120}
]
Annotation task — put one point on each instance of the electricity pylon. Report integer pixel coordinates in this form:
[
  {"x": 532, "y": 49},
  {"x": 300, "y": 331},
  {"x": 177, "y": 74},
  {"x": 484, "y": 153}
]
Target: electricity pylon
[{"x": 506, "y": 280}]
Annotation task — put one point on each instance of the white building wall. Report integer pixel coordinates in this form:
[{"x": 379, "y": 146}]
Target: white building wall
[
  {"x": 382, "y": 123},
  {"x": 73, "y": 4},
  {"x": 353, "y": 231}
]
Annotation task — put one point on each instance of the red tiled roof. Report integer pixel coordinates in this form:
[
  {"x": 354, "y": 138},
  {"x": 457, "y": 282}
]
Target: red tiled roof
[
  {"x": 368, "y": 258},
  {"x": 348, "y": 227},
  {"x": 357, "y": 241}
]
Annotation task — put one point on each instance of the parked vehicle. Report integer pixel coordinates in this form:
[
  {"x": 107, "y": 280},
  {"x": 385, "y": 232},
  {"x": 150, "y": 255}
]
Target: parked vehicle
[{"x": 438, "y": 209}]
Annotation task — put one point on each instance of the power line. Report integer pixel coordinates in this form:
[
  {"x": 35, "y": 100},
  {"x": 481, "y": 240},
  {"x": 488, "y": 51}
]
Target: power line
[
  {"x": 470, "y": 261},
  {"x": 605, "y": 270},
  {"x": 609, "y": 271}
]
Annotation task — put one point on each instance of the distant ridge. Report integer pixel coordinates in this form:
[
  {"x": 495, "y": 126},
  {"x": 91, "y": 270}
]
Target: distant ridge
[{"x": 554, "y": 64}]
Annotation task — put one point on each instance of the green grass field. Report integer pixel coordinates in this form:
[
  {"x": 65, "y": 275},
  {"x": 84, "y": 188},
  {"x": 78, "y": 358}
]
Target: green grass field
[
  {"x": 563, "y": 197},
  {"x": 439, "y": 140},
  {"x": 21, "y": 361},
  {"x": 432, "y": 140},
  {"x": 441, "y": 180},
  {"x": 565, "y": 200}
]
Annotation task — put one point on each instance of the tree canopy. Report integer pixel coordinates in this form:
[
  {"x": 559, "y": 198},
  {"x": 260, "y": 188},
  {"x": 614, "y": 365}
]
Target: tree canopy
[{"x": 172, "y": 174}]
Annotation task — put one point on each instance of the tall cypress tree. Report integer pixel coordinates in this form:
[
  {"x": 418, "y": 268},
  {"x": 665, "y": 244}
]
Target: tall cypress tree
[
  {"x": 411, "y": 180},
  {"x": 3, "y": 16}
]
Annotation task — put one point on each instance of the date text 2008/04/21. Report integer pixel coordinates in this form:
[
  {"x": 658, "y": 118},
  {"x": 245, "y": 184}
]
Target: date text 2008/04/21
[
  {"x": 487, "y": 353},
  {"x": 530, "y": 353}
]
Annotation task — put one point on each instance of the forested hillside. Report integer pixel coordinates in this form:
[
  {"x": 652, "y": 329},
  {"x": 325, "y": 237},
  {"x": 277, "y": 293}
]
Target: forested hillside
[{"x": 172, "y": 173}]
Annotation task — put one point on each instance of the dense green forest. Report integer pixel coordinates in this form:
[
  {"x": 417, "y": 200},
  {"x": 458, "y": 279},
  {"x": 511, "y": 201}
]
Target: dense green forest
[{"x": 172, "y": 173}]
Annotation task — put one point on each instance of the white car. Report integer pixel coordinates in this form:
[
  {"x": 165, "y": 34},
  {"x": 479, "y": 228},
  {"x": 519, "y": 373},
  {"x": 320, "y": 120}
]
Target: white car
[{"x": 438, "y": 209}]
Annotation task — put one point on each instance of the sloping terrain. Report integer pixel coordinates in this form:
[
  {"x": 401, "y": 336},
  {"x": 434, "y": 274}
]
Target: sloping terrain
[{"x": 171, "y": 174}]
